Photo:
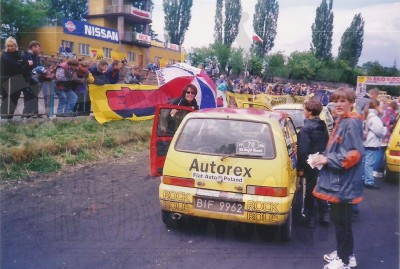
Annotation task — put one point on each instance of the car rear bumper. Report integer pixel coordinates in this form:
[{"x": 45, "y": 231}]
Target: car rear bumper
[{"x": 204, "y": 203}]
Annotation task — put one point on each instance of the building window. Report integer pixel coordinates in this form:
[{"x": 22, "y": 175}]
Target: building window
[
  {"x": 84, "y": 49},
  {"x": 68, "y": 44},
  {"x": 107, "y": 53},
  {"x": 131, "y": 57}
]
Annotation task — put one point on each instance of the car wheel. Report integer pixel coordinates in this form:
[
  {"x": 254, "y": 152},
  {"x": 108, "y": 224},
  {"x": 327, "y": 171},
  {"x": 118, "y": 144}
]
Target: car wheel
[
  {"x": 286, "y": 229},
  {"x": 389, "y": 176},
  {"x": 169, "y": 221}
]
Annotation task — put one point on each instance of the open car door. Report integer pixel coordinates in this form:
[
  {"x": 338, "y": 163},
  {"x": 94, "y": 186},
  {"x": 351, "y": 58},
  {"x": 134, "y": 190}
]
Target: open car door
[{"x": 164, "y": 128}]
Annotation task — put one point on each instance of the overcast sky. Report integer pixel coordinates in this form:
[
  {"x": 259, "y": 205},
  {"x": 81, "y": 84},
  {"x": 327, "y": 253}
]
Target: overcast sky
[{"x": 381, "y": 30}]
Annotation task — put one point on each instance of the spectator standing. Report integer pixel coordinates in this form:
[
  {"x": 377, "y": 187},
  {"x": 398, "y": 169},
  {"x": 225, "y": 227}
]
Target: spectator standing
[
  {"x": 31, "y": 93},
  {"x": 98, "y": 72},
  {"x": 312, "y": 138},
  {"x": 389, "y": 117},
  {"x": 113, "y": 72},
  {"x": 362, "y": 104},
  {"x": 66, "y": 80},
  {"x": 339, "y": 181},
  {"x": 220, "y": 80},
  {"x": 374, "y": 131},
  {"x": 12, "y": 80},
  {"x": 82, "y": 106},
  {"x": 134, "y": 76},
  {"x": 225, "y": 86}
]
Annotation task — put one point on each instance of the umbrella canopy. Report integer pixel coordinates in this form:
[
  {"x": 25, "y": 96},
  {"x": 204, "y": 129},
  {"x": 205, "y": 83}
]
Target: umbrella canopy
[{"x": 171, "y": 81}]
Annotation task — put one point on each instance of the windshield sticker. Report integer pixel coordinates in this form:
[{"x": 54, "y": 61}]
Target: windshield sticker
[{"x": 250, "y": 147}]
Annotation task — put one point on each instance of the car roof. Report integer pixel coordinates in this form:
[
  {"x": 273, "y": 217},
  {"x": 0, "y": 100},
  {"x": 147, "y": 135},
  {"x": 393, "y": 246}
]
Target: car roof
[
  {"x": 239, "y": 113},
  {"x": 289, "y": 106}
]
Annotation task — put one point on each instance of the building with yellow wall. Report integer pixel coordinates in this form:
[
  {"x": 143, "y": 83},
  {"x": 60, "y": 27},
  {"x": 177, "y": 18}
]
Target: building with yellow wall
[{"x": 109, "y": 33}]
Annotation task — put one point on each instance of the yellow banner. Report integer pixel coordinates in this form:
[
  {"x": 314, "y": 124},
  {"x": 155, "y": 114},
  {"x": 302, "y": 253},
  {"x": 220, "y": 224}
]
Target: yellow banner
[
  {"x": 116, "y": 56},
  {"x": 125, "y": 101},
  {"x": 96, "y": 53}
]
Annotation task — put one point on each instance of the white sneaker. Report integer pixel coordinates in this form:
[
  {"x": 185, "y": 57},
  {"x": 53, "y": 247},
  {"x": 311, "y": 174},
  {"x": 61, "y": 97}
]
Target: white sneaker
[
  {"x": 333, "y": 256},
  {"x": 336, "y": 264}
]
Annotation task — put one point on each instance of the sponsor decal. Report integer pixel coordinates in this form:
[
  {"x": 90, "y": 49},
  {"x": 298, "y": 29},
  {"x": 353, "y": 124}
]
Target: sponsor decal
[
  {"x": 140, "y": 13},
  {"x": 143, "y": 37},
  {"x": 262, "y": 217},
  {"x": 82, "y": 28},
  {"x": 251, "y": 147},
  {"x": 235, "y": 172},
  {"x": 70, "y": 26},
  {"x": 262, "y": 206},
  {"x": 217, "y": 178},
  {"x": 176, "y": 196},
  {"x": 101, "y": 32}
]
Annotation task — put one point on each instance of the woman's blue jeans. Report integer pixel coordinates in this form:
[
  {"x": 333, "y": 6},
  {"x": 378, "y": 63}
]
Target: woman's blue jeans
[
  {"x": 372, "y": 158},
  {"x": 66, "y": 101}
]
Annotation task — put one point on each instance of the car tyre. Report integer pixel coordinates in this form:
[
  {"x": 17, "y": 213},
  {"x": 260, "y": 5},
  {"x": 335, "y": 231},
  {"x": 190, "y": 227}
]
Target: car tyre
[{"x": 286, "y": 229}]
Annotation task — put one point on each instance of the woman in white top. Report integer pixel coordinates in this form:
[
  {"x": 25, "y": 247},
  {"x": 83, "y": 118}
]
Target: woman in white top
[{"x": 374, "y": 131}]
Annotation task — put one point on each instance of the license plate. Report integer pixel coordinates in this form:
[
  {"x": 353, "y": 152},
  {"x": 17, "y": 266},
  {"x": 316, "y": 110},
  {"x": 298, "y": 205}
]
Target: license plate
[{"x": 219, "y": 206}]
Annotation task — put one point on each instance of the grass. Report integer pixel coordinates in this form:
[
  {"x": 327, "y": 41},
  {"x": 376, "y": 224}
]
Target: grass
[{"x": 26, "y": 148}]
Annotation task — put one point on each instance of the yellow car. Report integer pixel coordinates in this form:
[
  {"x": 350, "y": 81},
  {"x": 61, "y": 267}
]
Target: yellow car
[
  {"x": 296, "y": 112},
  {"x": 393, "y": 153},
  {"x": 232, "y": 164}
]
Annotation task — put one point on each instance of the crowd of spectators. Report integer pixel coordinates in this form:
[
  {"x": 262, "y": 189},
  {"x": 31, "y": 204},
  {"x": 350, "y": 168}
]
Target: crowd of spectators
[
  {"x": 33, "y": 73},
  {"x": 255, "y": 85}
]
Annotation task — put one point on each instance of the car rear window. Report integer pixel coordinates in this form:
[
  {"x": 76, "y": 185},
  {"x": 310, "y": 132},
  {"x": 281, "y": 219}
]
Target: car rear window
[{"x": 226, "y": 136}]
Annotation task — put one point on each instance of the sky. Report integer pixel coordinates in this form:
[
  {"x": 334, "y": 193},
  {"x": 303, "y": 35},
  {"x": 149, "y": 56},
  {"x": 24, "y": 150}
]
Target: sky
[{"x": 381, "y": 29}]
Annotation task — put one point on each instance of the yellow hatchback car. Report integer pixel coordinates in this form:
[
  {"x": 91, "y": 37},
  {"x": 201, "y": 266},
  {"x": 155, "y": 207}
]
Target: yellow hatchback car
[
  {"x": 296, "y": 111},
  {"x": 232, "y": 164},
  {"x": 393, "y": 154}
]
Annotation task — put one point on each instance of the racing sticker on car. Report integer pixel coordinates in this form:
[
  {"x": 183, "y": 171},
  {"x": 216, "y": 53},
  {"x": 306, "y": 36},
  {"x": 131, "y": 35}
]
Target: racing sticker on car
[
  {"x": 219, "y": 172},
  {"x": 217, "y": 177},
  {"x": 250, "y": 147}
]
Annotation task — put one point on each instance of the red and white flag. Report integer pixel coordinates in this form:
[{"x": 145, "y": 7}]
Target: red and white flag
[{"x": 257, "y": 38}]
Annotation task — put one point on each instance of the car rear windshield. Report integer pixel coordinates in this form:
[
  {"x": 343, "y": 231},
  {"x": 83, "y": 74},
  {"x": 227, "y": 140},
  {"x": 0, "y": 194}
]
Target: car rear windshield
[{"x": 227, "y": 137}]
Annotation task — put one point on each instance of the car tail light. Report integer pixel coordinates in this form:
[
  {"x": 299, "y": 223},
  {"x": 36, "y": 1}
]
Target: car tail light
[
  {"x": 394, "y": 153},
  {"x": 267, "y": 191},
  {"x": 178, "y": 181}
]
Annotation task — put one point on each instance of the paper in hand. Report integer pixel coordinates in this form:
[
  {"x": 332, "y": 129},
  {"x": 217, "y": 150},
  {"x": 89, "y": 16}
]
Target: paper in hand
[{"x": 312, "y": 158}]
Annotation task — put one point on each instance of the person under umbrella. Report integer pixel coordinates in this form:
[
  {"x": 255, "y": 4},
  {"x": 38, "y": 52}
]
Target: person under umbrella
[{"x": 188, "y": 98}]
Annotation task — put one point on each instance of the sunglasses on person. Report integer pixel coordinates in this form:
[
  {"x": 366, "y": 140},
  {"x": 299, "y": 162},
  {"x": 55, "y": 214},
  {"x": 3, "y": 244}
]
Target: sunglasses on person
[{"x": 190, "y": 92}]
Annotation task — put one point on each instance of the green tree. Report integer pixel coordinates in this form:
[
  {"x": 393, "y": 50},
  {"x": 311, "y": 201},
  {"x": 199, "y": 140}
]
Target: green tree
[
  {"x": 222, "y": 52},
  {"x": 303, "y": 65},
  {"x": 71, "y": 9},
  {"x": 265, "y": 21},
  {"x": 177, "y": 15},
  {"x": 322, "y": 30},
  {"x": 237, "y": 61},
  {"x": 19, "y": 16},
  {"x": 255, "y": 64},
  {"x": 233, "y": 11},
  {"x": 275, "y": 66},
  {"x": 218, "y": 22},
  {"x": 200, "y": 56},
  {"x": 227, "y": 27},
  {"x": 351, "y": 44}
]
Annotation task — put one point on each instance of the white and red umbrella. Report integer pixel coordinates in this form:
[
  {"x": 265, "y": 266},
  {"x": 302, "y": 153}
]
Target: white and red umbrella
[{"x": 172, "y": 79}]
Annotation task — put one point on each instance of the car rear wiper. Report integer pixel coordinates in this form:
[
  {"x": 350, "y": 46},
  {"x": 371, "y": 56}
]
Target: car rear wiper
[{"x": 237, "y": 154}]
